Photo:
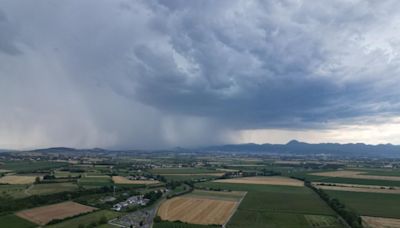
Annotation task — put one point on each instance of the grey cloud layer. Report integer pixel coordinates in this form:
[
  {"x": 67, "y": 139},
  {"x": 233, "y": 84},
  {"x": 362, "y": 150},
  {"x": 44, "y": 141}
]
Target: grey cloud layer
[{"x": 160, "y": 73}]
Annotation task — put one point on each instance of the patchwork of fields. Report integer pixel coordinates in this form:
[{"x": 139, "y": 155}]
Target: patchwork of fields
[
  {"x": 370, "y": 204},
  {"x": 277, "y": 206},
  {"x": 124, "y": 180}
]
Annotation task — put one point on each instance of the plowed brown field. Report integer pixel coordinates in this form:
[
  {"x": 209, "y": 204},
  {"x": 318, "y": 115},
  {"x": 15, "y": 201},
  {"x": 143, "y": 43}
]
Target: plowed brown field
[{"x": 43, "y": 215}]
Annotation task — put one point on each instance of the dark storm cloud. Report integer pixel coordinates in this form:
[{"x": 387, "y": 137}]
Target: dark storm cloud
[
  {"x": 286, "y": 63},
  {"x": 159, "y": 73},
  {"x": 7, "y": 36}
]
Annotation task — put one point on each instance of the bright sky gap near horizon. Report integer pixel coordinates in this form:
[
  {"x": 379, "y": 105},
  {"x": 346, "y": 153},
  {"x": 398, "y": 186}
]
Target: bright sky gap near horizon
[{"x": 157, "y": 74}]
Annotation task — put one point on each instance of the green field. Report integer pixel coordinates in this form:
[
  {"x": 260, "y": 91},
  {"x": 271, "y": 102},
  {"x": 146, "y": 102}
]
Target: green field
[
  {"x": 42, "y": 189},
  {"x": 261, "y": 219},
  {"x": 322, "y": 221},
  {"x": 64, "y": 174},
  {"x": 31, "y": 166},
  {"x": 86, "y": 219},
  {"x": 13, "y": 221},
  {"x": 275, "y": 206},
  {"x": 95, "y": 181},
  {"x": 182, "y": 171},
  {"x": 382, "y": 172},
  {"x": 13, "y": 190},
  {"x": 371, "y": 204}
]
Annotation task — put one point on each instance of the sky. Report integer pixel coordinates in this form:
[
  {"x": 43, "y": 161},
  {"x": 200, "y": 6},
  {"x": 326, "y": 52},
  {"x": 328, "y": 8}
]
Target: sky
[{"x": 156, "y": 74}]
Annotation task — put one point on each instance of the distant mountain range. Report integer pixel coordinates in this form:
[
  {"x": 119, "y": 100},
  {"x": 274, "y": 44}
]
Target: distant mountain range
[
  {"x": 293, "y": 147},
  {"x": 296, "y": 147}
]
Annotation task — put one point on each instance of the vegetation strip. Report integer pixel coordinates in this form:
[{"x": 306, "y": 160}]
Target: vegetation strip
[{"x": 348, "y": 215}]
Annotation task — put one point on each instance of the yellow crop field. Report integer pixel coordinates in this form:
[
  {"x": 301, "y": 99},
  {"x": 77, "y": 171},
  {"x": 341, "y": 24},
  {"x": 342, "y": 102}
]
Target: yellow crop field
[
  {"x": 13, "y": 179},
  {"x": 197, "y": 210}
]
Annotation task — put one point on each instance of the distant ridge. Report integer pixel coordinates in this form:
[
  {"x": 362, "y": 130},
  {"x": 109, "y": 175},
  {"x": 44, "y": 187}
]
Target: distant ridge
[
  {"x": 293, "y": 147},
  {"x": 297, "y": 147},
  {"x": 67, "y": 149}
]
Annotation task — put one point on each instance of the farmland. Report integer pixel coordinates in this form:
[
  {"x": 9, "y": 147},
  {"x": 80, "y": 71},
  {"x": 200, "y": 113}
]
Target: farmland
[
  {"x": 180, "y": 225},
  {"x": 183, "y": 171},
  {"x": 42, "y": 189},
  {"x": 95, "y": 181},
  {"x": 357, "y": 175},
  {"x": 17, "y": 179},
  {"x": 345, "y": 187},
  {"x": 263, "y": 180},
  {"x": 13, "y": 221},
  {"x": 88, "y": 219},
  {"x": 30, "y": 166},
  {"x": 370, "y": 204},
  {"x": 14, "y": 191},
  {"x": 123, "y": 180},
  {"x": 45, "y": 214},
  {"x": 188, "y": 177},
  {"x": 194, "y": 191},
  {"x": 377, "y": 222},
  {"x": 269, "y": 204},
  {"x": 346, "y": 180},
  {"x": 200, "y": 207}
]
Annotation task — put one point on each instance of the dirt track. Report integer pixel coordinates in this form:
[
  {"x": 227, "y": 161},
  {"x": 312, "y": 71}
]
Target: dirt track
[
  {"x": 43, "y": 215},
  {"x": 378, "y": 222},
  {"x": 275, "y": 180},
  {"x": 349, "y": 188},
  {"x": 355, "y": 174}
]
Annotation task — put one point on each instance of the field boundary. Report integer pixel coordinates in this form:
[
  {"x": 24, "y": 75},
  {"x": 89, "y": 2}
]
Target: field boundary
[{"x": 235, "y": 210}]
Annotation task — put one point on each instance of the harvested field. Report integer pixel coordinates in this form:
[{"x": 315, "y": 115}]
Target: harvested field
[
  {"x": 275, "y": 180},
  {"x": 124, "y": 180},
  {"x": 357, "y": 188},
  {"x": 17, "y": 179},
  {"x": 378, "y": 222},
  {"x": 45, "y": 214},
  {"x": 355, "y": 174},
  {"x": 197, "y": 210}
]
